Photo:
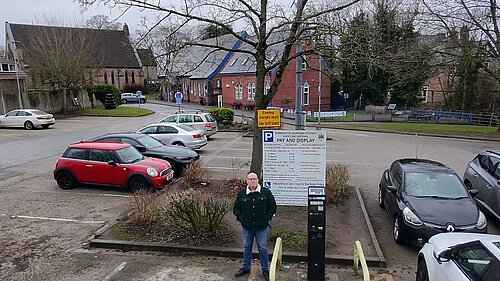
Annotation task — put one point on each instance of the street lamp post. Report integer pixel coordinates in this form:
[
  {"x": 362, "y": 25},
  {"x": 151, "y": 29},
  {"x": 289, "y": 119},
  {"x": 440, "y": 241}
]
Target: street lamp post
[{"x": 18, "y": 85}]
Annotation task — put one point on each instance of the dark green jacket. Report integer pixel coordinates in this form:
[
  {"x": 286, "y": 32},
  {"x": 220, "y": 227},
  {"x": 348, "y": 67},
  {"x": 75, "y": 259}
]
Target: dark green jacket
[{"x": 255, "y": 210}]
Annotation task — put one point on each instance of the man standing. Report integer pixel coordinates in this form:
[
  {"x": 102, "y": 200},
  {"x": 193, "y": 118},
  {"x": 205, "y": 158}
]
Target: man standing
[{"x": 254, "y": 208}]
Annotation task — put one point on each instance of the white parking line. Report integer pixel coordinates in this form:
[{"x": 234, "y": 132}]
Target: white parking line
[
  {"x": 229, "y": 168},
  {"x": 54, "y": 219},
  {"x": 86, "y": 194},
  {"x": 114, "y": 272}
]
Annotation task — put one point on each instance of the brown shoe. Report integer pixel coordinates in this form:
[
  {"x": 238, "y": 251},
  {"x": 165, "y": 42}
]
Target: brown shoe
[{"x": 242, "y": 272}]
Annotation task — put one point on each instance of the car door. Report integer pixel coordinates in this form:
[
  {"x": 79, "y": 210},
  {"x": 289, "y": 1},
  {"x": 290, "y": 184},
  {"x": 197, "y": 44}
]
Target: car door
[
  {"x": 395, "y": 179},
  {"x": 9, "y": 119},
  {"x": 483, "y": 179},
  {"x": 476, "y": 262},
  {"x": 100, "y": 171},
  {"x": 199, "y": 123},
  {"x": 166, "y": 134},
  {"x": 78, "y": 164}
]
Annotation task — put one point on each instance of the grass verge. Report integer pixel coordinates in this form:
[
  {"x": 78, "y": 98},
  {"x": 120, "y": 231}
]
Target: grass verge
[{"x": 120, "y": 111}]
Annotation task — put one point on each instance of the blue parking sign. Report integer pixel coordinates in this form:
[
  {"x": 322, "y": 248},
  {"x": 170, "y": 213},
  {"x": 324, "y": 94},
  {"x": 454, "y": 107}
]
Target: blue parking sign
[{"x": 268, "y": 136}]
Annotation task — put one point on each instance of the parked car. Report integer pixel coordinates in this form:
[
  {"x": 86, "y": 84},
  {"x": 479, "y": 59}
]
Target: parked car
[
  {"x": 200, "y": 121},
  {"x": 177, "y": 156},
  {"x": 460, "y": 257},
  {"x": 27, "y": 118},
  {"x": 483, "y": 174},
  {"x": 131, "y": 97},
  {"x": 424, "y": 198},
  {"x": 114, "y": 164},
  {"x": 176, "y": 134}
]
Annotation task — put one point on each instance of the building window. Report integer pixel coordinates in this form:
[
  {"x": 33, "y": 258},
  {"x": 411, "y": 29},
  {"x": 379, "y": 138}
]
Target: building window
[
  {"x": 267, "y": 88},
  {"x": 12, "y": 67},
  {"x": 112, "y": 77},
  {"x": 233, "y": 62},
  {"x": 253, "y": 90},
  {"x": 5, "y": 67},
  {"x": 105, "y": 77},
  {"x": 218, "y": 83},
  {"x": 133, "y": 77},
  {"x": 304, "y": 62},
  {"x": 423, "y": 94},
  {"x": 126, "y": 76},
  {"x": 244, "y": 61},
  {"x": 249, "y": 89},
  {"x": 238, "y": 91},
  {"x": 306, "y": 93}
]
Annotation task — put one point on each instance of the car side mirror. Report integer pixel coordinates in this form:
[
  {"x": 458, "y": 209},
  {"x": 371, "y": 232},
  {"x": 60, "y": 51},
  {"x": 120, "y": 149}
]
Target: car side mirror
[
  {"x": 112, "y": 163},
  {"x": 140, "y": 148},
  {"x": 392, "y": 188},
  {"x": 473, "y": 192},
  {"x": 444, "y": 256}
]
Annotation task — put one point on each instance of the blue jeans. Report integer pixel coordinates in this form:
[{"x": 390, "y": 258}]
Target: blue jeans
[{"x": 261, "y": 237}]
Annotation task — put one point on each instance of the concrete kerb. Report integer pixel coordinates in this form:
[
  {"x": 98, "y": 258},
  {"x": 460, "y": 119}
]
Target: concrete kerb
[{"x": 96, "y": 242}]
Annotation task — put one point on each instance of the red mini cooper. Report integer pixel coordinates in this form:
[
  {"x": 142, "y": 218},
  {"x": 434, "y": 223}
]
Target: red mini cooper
[{"x": 115, "y": 164}]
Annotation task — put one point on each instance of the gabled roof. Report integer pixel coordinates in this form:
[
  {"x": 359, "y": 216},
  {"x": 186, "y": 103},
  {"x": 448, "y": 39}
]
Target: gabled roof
[
  {"x": 112, "y": 47},
  {"x": 200, "y": 62},
  {"x": 147, "y": 57}
]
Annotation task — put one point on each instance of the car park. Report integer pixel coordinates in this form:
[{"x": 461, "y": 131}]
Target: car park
[
  {"x": 27, "y": 118},
  {"x": 424, "y": 198},
  {"x": 178, "y": 157},
  {"x": 460, "y": 257},
  {"x": 176, "y": 134},
  {"x": 113, "y": 164},
  {"x": 131, "y": 97},
  {"x": 198, "y": 120},
  {"x": 483, "y": 173}
]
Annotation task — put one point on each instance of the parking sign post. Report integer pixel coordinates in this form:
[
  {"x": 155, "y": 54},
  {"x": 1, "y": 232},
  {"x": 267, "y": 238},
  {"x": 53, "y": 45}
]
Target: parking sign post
[{"x": 178, "y": 99}]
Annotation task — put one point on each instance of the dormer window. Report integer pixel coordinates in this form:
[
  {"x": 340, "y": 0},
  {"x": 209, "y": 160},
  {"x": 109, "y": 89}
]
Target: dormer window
[
  {"x": 233, "y": 62},
  {"x": 244, "y": 62}
]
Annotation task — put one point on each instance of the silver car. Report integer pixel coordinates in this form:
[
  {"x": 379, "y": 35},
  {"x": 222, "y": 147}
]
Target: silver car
[
  {"x": 131, "y": 97},
  {"x": 199, "y": 120},
  {"x": 176, "y": 134},
  {"x": 483, "y": 174},
  {"x": 27, "y": 118}
]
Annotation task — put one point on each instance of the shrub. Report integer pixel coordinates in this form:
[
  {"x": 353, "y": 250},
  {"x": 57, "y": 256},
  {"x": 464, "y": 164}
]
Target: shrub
[
  {"x": 194, "y": 173},
  {"x": 337, "y": 178},
  {"x": 146, "y": 207},
  {"x": 224, "y": 116},
  {"x": 195, "y": 213},
  {"x": 100, "y": 92}
]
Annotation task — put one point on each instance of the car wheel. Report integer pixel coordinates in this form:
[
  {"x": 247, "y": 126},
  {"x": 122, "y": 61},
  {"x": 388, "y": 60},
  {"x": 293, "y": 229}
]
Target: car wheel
[
  {"x": 422, "y": 274},
  {"x": 45, "y": 126},
  {"x": 137, "y": 183},
  {"x": 380, "y": 198},
  {"x": 178, "y": 143},
  {"x": 124, "y": 101},
  {"x": 396, "y": 231},
  {"x": 28, "y": 125},
  {"x": 65, "y": 180}
]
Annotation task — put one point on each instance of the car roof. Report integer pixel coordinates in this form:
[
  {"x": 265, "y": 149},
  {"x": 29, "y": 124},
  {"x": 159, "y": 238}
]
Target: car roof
[
  {"x": 448, "y": 239},
  {"x": 100, "y": 145},
  {"x": 423, "y": 165},
  {"x": 120, "y": 135},
  {"x": 496, "y": 152}
]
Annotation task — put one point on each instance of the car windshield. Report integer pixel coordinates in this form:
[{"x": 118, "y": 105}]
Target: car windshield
[
  {"x": 433, "y": 184},
  {"x": 186, "y": 128},
  {"x": 129, "y": 155},
  {"x": 149, "y": 142}
]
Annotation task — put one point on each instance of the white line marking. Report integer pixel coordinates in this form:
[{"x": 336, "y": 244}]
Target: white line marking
[
  {"x": 85, "y": 194},
  {"x": 54, "y": 219},
  {"x": 228, "y": 168},
  {"x": 114, "y": 272}
]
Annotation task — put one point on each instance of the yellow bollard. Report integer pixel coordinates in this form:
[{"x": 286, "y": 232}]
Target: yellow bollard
[
  {"x": 276, "y": 260},
  {"x": 359, "y": 256}
]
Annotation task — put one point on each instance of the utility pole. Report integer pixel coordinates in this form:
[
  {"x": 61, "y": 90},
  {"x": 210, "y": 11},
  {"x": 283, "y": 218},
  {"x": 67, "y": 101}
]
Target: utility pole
[{"x": 299, "y": 117}]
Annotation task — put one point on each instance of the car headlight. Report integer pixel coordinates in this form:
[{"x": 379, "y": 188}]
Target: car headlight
[
  {"x": 152, "y": 172},
  {"x": 481, "y": 221},
  {"x": 410, "y": 217}
]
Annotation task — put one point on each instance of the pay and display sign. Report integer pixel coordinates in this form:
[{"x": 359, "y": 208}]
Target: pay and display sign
[{"x": 293, "y": 161}]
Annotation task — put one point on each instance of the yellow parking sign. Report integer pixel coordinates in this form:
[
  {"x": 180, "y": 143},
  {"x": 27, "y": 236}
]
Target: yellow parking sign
[{"x": 268, "y": 118}]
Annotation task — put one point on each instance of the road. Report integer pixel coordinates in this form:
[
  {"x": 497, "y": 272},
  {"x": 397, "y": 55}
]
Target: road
[{"x": 43, "y": 227}]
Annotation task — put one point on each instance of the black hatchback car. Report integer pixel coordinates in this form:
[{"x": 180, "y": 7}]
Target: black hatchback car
[
  {"x": 425, "y": 197},
  {"x": 177, "y": 156}
]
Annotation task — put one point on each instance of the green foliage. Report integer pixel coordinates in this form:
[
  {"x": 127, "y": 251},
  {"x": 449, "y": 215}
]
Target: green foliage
[
  {"x": 100, "y": 91},
  {"x": 198, "y": 214},
  {"x": 337, "y": 179},
  {"x": 224, "y": 116}
]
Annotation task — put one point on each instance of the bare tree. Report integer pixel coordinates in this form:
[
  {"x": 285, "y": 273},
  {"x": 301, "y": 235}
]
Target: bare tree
[
  {"x": 103, "y": 22},
  {"x": 262, "y": 19},
  {"x": 61, "y": 57}
]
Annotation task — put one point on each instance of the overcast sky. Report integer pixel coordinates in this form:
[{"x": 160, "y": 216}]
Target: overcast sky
[{"x": 66, "y": 11}]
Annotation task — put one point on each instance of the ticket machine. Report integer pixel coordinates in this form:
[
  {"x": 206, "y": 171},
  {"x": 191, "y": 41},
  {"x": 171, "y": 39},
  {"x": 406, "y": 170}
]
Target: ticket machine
[{"x": 316, "y": 226}]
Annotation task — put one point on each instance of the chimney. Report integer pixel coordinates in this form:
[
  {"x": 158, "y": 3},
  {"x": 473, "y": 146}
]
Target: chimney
[{"x": 125, "y": 30}]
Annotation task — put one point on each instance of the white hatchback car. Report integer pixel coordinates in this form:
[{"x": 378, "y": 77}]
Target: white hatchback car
[
  {"x": 27, "y": 118},
  {"x": 199, "y": 120},
  {"x": 176, "y": 134},
  {"x": 457, "y": 256}
]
